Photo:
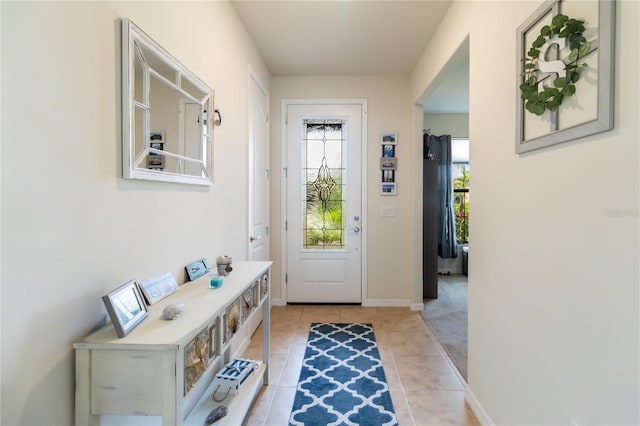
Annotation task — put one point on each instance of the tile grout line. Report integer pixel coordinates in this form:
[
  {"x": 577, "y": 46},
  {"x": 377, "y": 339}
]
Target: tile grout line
[
  {"x": 443, "y": 352},
  {"x": 404, "y": 394},
  {"x": 277, "y": 387},
  {"x": 397, "y": 373}
]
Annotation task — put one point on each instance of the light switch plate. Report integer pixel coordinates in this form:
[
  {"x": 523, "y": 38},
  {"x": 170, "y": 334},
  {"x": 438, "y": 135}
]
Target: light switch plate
[{"x": 388, "y": 211}]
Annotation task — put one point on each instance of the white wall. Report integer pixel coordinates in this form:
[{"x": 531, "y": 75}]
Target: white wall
[
  {"x": 389, "y": 271},
  {"x": 554, "y": 276},
  {"x": 72, "y": 229},
  {"x": 456, "y": 125}
]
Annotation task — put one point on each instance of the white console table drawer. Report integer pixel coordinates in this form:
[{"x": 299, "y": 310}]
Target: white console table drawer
[{"x": 126, "y": 382}]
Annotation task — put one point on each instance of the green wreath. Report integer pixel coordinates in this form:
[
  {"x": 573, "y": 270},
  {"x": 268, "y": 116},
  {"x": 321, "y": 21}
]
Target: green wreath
[{"x": 551, "y": 97}]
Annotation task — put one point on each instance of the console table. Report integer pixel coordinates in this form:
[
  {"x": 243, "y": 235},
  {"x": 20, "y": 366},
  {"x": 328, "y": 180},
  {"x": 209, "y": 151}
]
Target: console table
[{"x": 166, "y": 368}]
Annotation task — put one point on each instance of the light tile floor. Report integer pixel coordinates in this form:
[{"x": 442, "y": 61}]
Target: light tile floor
[{"x": 425, "y": 387}]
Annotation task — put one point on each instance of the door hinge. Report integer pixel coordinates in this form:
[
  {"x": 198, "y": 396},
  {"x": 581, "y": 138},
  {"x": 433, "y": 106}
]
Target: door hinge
[
  {"x": 286, "y": 172},
  {"x": 286, "y": 119},
  {"x": 286, "y": 225},
  {"x": 267, "y": 231},
  {"x": 267, "y": 117},
  {"x": 286, "y": 278}
]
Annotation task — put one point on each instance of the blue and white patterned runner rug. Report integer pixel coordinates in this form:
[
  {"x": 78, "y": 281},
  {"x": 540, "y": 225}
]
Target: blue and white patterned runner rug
[{"x": 342, "y": 381}]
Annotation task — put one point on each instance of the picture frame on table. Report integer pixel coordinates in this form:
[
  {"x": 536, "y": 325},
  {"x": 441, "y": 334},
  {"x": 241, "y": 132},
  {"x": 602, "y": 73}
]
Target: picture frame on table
[
  {"x": 126, "y": 307},
  {"x": 197, "y": 269},
  {"x": 156, "y": 289}
]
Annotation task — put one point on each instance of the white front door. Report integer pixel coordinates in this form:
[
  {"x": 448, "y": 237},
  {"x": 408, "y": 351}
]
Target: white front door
[
  {"x": 258, "y": 171},
  {"x": 324, "y": 202}
]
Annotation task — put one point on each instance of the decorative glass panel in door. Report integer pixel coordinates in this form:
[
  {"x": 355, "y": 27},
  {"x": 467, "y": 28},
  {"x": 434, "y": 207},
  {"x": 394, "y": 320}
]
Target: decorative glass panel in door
[{"x": 324, "y": 179}]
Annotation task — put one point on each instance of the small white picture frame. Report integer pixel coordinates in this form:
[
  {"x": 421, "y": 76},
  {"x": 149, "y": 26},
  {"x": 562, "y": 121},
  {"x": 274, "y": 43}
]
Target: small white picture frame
[
  {"x": 389, "y": 138},
  {"x": 388, "y": 188},
  {"x": 156, "y": 161},
  {"x": 388, "y": 163}
]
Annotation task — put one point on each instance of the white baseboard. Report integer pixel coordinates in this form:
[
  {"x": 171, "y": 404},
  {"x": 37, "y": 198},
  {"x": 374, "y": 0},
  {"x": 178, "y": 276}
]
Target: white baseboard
[
  {"x": 477, "y": 408},
  {"x": 388, "y": 303},
  {"x": 417, "y": 306},
  {"x": 278, "y": 302}
]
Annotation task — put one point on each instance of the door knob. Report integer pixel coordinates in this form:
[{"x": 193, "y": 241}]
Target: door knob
[
  {"x": 252, "y": 239},
  {"x": 356, "y": 229}
]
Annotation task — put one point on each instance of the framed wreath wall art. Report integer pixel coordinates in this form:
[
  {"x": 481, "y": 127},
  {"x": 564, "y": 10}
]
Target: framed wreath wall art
[{"x": 565, "y": 73}]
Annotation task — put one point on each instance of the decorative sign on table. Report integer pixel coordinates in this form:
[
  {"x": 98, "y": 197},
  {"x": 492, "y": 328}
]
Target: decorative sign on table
[
  {"x": 565, "y": 73},
  {"x": 197, "y": 269},
  {"x": 231, "y": 377},
  {"x": 158, "y": 288}
]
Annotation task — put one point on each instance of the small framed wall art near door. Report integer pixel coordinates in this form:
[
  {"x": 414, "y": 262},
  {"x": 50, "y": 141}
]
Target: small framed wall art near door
[
  {"x": 155, "y": 161},
  {"x": 388, "y": 189},
  {"x": 388, "y": 163}
]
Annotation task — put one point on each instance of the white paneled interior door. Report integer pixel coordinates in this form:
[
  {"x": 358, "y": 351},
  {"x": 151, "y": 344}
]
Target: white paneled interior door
[{"x": 259, "y": 172}]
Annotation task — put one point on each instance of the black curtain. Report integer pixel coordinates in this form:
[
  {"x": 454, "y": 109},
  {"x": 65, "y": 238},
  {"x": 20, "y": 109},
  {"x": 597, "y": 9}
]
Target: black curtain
[{"x": 440, "y": 147}]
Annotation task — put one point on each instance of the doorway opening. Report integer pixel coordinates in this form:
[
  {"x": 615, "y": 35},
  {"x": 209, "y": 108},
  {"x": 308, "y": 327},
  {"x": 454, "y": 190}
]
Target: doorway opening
[{"x": 446, "y": 112}]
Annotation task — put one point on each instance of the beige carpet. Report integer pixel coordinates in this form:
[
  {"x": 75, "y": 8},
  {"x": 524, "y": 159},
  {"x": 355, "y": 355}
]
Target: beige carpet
[{"x": 447, "y": 317}]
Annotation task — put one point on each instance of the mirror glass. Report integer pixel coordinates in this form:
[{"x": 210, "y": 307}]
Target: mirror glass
[{"x": 167, "y": 114}]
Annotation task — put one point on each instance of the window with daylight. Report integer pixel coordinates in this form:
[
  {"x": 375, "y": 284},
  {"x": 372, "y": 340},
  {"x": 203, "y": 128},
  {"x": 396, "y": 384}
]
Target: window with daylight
[
  {"x": 460, "y": 173},
  {"x": 323, "y": 174}
]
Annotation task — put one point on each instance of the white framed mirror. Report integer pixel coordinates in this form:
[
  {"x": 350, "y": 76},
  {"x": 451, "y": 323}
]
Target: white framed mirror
[{"x": 167, "y": 114}]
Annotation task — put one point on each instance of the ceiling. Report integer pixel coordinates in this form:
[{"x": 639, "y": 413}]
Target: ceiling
[{"x": 344, "y": 37}]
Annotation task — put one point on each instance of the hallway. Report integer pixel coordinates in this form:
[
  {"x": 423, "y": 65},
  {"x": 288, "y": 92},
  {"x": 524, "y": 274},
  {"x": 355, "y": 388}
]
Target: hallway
[{"x": 426, "y": 389}]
